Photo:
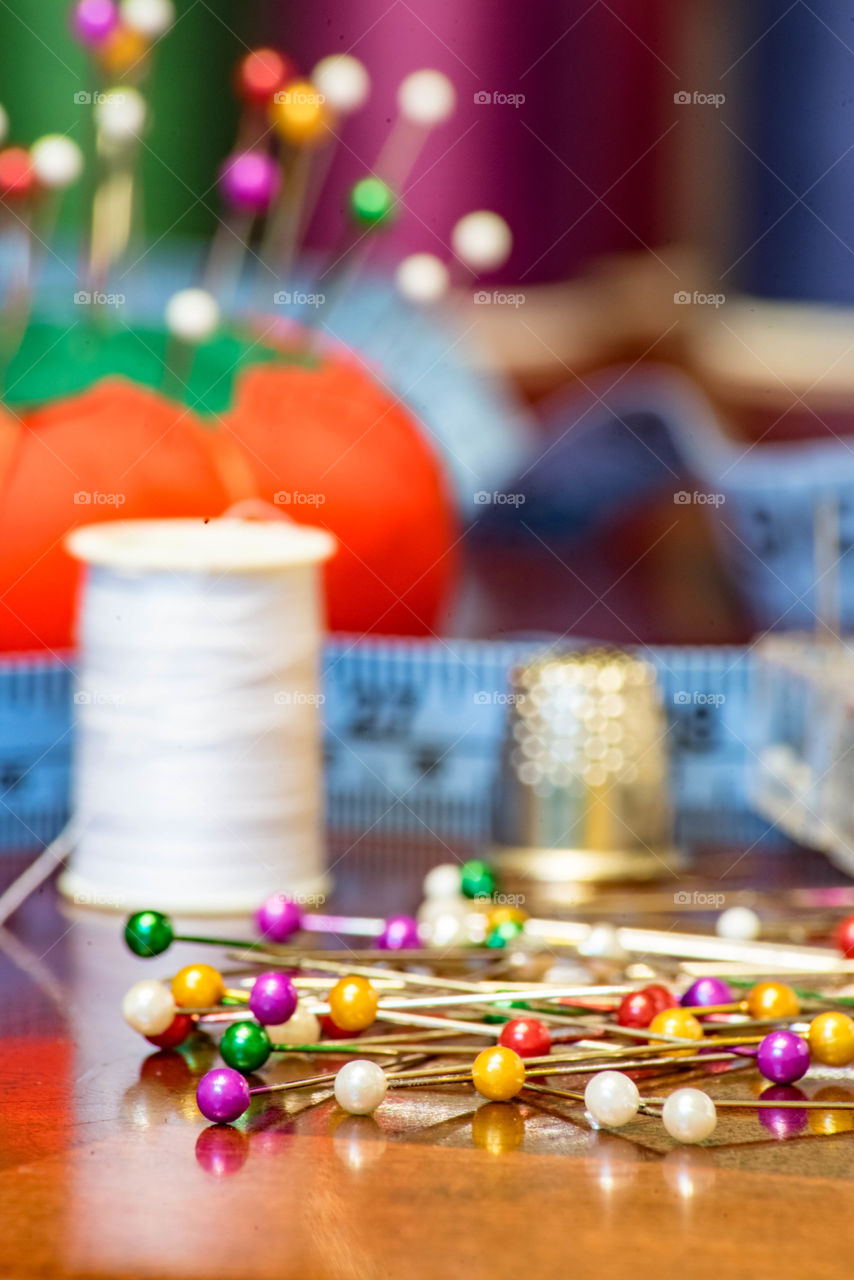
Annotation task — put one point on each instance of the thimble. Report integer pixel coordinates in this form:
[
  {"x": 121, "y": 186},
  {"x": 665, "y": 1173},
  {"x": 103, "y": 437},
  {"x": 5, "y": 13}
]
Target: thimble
[{"x": 584, "y": 789}]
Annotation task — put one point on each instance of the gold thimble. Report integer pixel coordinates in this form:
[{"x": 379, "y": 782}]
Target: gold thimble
[{"x": 584, "y": 792}]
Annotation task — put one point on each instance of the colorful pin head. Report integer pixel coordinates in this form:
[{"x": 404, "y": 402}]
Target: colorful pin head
[
  {"x": 344, "y": 82},
  {"x": 180, "y": 1029},
  {"x": 299, "y": 114},
  {"x": 422, "y": 278},
  {"x": 372, "y": 203},
  {"x": 528, "y": 1037},
  {"x": 197, "y": 986},
  {"x": 844, "y": 937},
  {"x": 831, "y": 1039},
  {"x": 245, "y": 1046},
  {"x": 93, "y": 20},
  {"x": 273, "y": 998},
  {"x": 122, "y": 51},
  {"x": 222, "y": 1095},
  {"x": 120, "y": 115},
  {"x": 400, "y": 933},
  {"x": 502, "y": 934},
  {"x": 707, "y": 991},
  {"x": 611, "y": 1099},
  {"x": 353, "y": 1003},
  {"x": 739, "y": 924},
  {"x": 689, "y": 1115},
  {"x": 148, "y": 18},
  {"x": 426, "y": 98},
  {"x": 278, "y": 919},
  {"x": 149, "y": 933},
  {"x": 477, "y": 879},
  {"x": 149, "y": 1007},
  {"x": 360, "y": 1087},
  {"x": 482, "y": 240},
  {"x": 677, "y": 1022},
  {"x": 17, "y": 178},
  {"x": 249, "y": 181},
  {"x": 498, "y": 1073},
  {"x": 772, "y": 1000},
  {"x": 192, "y": 316},
  {"x": 783, "y": 1057},
  {"x": 57, "y": 161},
  {"x": 260, "y": 74}
]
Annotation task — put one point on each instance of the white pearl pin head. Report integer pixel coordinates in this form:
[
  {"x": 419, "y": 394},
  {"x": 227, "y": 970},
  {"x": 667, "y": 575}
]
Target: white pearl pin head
[
  {"x": 422, "y": 278},
  {"x": 303, "y": 1027},
  {"x": 738, "y": 924},
  {"x": 120, "y": 115},
  {"x": 192, "y": 315},
  {"x": 482, "y": 240},
  {"x": 149, "y": 1007},
  {"x": 360, "y": 1087},
  {"x": 344, "y": 82},
  {"x": 57, "y": 161},
  {"x": 149, "y": 18},
  {"x": 612, "y": 1098},
  {"x": 443, "y": 881},
  {"x": 427, "y": 98},
  {"x": 689, "y": 1115}
]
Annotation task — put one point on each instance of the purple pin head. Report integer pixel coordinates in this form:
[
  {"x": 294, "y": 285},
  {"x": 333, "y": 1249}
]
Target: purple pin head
[
  {"x": 400, "y": 934},
  {"x": 706, "y": 991},
  {"x": 222, "y": 1095},
  {"x": 783, "y": 1057},
  {"x": 273, "y": 998},
  {"x": 249, "y": 181},
  {"x": 278, "y": 918},
  {"x": 93, "y": 20}
]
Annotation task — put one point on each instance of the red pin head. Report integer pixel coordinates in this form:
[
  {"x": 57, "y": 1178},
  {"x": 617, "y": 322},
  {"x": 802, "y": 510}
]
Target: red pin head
[
  {"x": 16, "y": 174},
  {"x": 260, "y": 74}
]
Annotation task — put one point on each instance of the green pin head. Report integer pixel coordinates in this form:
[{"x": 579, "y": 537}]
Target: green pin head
[
  {"x": 245, "y": 1046},
  {"x": 372, "y": 203},
  {"x": 477, "y": 879},
  {"x": 148, "y": 933}
]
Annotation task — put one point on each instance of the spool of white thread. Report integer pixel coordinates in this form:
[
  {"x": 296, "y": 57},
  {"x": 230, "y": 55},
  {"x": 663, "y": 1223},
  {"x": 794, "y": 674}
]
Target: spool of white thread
[{"x": 198, "y": 753}]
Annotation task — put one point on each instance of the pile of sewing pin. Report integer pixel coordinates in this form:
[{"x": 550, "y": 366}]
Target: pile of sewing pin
[{"x": 457, "y": 1012}]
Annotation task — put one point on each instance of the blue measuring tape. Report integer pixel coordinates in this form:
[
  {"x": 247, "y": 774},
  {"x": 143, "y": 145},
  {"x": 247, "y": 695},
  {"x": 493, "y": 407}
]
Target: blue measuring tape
[{"x": 413, "y": 731}]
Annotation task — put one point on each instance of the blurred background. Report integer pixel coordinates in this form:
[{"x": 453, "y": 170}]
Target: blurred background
[
  {"x": 678, "y": 182},
  {"x": 632, "y": 422}
]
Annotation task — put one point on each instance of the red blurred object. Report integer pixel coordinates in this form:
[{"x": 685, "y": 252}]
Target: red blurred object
[
  {"x": 260, "y": 74},
  {"x": 16, "y": 174},
  {"x": 663, "y": 998},
  {"x": 176, "y": 1033},
  {"x": 843, "y": 936},
  {"x": 332, "y": 1031},
  {"x": 529, "y": 1037},
  {"x": 118, "y": 451},
  {"x": 330, "y": 447},
  {"x": 323, "y": 443},
  {"x": 637, "y": 1009}
]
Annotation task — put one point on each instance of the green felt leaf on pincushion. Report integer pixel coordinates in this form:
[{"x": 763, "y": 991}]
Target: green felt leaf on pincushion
[{"x": 61, "y": 360}]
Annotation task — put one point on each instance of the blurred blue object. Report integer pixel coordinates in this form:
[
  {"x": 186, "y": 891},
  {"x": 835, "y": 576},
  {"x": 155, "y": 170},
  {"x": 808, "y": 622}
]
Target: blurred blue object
[
  {"x": 794, "y": 233},
  {"x": 413, "y": 737},
  {"x": 644, "y": 434}
]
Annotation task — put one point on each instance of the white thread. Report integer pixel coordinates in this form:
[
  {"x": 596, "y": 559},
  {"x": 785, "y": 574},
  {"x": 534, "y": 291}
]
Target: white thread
[{"x": 197, "y": 778}]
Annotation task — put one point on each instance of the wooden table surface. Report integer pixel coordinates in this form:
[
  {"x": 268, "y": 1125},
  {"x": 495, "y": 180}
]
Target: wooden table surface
[{"x": 107, "y": 1168}]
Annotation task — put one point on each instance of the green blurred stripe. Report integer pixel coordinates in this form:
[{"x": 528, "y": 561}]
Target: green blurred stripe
[{"x": 193, "y": 109}]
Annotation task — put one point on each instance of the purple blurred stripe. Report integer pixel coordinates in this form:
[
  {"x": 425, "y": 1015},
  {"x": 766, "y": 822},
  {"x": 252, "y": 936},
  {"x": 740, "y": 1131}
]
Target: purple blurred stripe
[{"x": 597, "y": 86}]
